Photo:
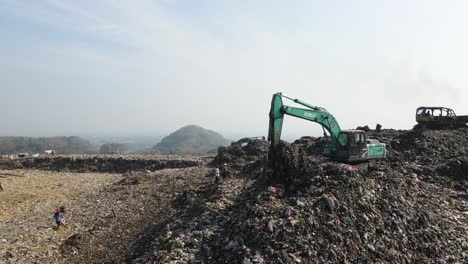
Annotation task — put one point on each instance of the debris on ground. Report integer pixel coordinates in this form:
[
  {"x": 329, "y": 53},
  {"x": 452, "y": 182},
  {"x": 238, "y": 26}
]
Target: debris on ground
[
  {"x": 363, "y": 128},
  {"x": 292, "y": 206},
  {"x": 102, "y": 163},
  {"x": 318, "y": 210}
]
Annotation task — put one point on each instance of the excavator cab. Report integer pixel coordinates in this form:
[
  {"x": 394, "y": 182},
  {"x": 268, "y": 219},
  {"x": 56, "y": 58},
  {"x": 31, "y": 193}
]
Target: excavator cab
[
  {"x": 357, "y": 147},
  {"x": 354, "y": 147}
]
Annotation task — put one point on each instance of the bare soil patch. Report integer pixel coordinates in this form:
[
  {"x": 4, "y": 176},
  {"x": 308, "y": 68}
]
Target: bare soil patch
[{"x": 28, "y": 203}]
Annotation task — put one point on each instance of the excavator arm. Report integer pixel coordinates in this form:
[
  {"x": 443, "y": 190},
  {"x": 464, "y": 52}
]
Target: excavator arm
[{"x": 311, "y": 113}]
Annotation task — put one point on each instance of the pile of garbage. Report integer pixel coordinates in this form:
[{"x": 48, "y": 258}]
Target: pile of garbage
[
  {"x": 303, "y": 208},
  {"x": 291, "y": 206},
  {"x": 344, "y": 216},
  {"x": 102, "y": 163},
  {"x": 132, "y": 213},
  {"x": 424, "y": 146},
  {"x": 428, "y": 152},
  {"x": 243, "y": 159}
]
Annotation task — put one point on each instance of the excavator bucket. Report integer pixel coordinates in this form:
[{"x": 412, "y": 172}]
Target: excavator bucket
[{"x": 276, "y": 119}]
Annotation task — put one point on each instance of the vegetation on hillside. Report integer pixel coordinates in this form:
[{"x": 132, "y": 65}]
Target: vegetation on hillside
[
  {"x": 190, "y": 140},
  {"x": 65, "y": 145}
]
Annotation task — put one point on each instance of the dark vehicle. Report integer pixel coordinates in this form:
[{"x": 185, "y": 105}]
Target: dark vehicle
[
  {"x": 439, "y": 117},
  {"x": 243, "y": 141}
]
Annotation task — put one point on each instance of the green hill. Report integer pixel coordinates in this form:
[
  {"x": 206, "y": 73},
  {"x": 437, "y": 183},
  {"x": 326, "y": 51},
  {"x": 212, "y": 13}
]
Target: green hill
[
  {"x": 190, "y": 140},
  {"x": 62, "y": 145}
]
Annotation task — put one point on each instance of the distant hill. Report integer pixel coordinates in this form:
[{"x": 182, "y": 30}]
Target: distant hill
[
  {"x": 133, "y": 143},
  {"x": 66, "y": 145},
  {"x": 190, "y": 140}
]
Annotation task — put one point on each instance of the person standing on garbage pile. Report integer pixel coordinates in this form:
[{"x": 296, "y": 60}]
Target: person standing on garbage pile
[
  {"x": 225, "y": 171},
  {"x": 58, "y": 217},
  {"x": 217, "y": 176}
]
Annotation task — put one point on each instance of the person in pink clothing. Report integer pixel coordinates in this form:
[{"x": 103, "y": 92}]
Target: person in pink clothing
[{"x": 58, "y": 217}]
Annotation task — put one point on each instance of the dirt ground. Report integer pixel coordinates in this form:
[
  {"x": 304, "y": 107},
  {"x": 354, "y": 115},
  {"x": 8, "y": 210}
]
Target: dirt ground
[
  {"x": 28, "y": 203},
  {"x": 109, "y": 217}
]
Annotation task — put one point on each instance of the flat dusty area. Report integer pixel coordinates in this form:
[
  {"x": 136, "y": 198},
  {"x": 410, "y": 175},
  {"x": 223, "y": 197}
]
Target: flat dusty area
[{"x": 27, "y": 204}]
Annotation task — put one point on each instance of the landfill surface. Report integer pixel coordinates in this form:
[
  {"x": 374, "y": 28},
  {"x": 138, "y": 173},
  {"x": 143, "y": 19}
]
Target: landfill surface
[
  {"x": 291, "y": 206},
  {"x": 100, "y": 163}
]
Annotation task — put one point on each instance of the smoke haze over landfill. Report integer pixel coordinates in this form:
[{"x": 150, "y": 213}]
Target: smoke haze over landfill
[{"x": 149, "y": 67}]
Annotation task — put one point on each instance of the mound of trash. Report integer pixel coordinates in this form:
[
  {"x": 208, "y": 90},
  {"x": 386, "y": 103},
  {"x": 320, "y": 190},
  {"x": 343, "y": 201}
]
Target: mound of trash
[
  {"x": 243, "y": 158},
  {"x": 344, "y": 216},
  {"x": 101, "y": 163},
  {"x": 456, "y": 168},
  {"x": 290, "y": 206},
  {"x": 304, "y": 208},
  {"x": 424, "y": 146}
]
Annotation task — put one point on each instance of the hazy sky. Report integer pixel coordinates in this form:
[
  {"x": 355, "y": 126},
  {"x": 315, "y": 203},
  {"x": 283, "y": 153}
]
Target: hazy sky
[{"x": 148, "y": 67}]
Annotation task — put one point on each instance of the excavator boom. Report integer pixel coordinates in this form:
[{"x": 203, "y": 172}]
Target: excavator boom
[{"x": 313, "y": 113}]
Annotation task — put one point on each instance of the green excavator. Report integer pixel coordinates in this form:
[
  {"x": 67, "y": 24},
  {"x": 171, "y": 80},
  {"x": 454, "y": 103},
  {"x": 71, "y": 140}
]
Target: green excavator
[{"x": 350, "y": 146}]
